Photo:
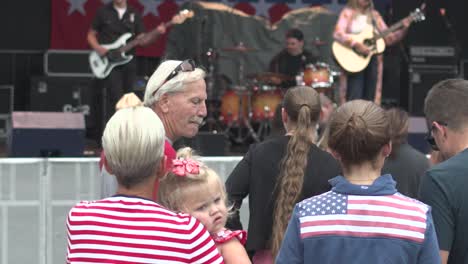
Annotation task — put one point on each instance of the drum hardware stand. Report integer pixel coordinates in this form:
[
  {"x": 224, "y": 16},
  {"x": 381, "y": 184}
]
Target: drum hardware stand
[
  {"x": 211, "y": 122},
  {"x": 264, "y": 129},
  {"x": 240, "y": 89}
]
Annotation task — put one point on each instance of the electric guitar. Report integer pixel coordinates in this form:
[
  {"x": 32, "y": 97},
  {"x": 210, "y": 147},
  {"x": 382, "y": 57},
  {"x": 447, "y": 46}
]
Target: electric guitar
[
  {"x": 116, "y": 54},
  {"x": 352, "y": 61}
]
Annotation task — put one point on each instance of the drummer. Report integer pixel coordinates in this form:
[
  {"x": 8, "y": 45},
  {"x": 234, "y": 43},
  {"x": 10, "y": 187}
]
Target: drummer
[{"x": 293, "y": 58}]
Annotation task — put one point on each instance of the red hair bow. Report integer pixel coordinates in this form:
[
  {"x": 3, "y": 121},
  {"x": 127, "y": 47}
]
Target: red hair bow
[{"x": 181, "y": 167}]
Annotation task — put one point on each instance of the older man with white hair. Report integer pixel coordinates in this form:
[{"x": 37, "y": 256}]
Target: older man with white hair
[{"x": 176, "y": 92}]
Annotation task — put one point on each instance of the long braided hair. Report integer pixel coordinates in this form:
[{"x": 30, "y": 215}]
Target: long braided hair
[{"x": 302, "y": 106}]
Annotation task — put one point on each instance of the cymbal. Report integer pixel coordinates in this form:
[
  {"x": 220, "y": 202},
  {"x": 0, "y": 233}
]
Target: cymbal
[
  {"x": 239, "y": 48},
  {"x": 318, "y": 42},
  {"x": 270, "y": 77}
]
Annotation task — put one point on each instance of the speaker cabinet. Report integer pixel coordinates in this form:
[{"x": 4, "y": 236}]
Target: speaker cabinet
[
  {"x": 6, "y": 99},
  {"x": 64, "y": 94},
  {"x": 46, "y": 134},
  {"x": 421, "y": 80}
]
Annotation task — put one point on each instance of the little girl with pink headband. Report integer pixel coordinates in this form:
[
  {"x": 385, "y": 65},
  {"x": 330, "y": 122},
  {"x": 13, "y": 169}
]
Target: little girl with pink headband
[{"x": 191, "y": 187}]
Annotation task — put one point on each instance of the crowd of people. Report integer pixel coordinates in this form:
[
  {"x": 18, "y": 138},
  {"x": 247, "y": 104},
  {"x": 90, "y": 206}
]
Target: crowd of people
[{"x": 337, "y": 185}]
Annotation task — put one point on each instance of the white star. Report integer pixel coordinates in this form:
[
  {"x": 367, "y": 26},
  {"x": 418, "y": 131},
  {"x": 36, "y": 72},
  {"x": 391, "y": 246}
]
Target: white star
[
  {"x": 76, "y": 5},
  {"x": 150, "y": 6},
  {"x": 261, "y": 7},
  {"x": 333, "y": 211}
]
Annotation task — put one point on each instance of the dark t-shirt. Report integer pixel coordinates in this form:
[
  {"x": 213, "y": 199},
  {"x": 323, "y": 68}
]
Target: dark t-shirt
[
  {"x": 109, "y": 27},
  {"x": 256, "y": 175},
  {"x": 444, "y": 188},
  {"x": 290, "y": 65},
  {"x": 407, "y": 166}
]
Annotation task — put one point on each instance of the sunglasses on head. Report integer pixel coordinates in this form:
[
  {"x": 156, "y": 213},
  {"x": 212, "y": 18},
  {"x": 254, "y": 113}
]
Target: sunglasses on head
[
  {"x": 185, "y": 66},
  {"x": 430, "y": 139}
]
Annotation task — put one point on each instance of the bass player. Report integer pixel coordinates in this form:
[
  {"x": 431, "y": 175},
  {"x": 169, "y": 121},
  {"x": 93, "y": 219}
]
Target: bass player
[{"x": 111, "y": 21}]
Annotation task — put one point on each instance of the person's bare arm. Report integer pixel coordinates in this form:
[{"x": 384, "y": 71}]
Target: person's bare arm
[
  {"x": 444, "y": 256},
  {"x": 233, "y": 252},
  {"x": 93, "y": 42}
]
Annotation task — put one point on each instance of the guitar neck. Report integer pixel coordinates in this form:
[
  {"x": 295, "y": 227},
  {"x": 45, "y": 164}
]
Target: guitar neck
[
  {"x": 151, "y": 35},
  {"x": 389, "y": 30}
]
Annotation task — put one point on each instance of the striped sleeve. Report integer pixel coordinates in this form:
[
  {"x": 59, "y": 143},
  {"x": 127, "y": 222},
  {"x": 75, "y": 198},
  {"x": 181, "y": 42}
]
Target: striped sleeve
[{"x": 204, "y": 248}]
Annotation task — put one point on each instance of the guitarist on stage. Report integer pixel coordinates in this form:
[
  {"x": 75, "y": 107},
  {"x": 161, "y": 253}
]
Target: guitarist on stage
[
  {"x": 353, "y": 19},
  {"x": 111, "y": 21}
]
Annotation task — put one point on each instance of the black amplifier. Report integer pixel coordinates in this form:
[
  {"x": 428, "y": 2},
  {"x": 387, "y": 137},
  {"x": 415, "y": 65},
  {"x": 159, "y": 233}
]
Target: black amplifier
[{"x": 433, "y": 55}]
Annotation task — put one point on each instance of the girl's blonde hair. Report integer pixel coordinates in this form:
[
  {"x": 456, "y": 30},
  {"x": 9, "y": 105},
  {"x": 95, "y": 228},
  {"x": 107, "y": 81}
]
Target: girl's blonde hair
[{"x": 172, "y": 192}]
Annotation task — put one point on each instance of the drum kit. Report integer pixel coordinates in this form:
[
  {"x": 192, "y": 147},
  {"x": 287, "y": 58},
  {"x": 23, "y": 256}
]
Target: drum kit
[{"x": 246, "y": 111}]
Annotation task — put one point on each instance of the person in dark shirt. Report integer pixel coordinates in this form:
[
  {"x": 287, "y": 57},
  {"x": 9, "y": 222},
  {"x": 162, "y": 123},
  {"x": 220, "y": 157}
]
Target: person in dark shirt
[
  {"x": 109, "y": 24},
  {"x": 444, "y": 185},
  {"x": 293, "y": 58},
  {"x": 406, "y": 164},
  {"x": 279, "y": 172}
]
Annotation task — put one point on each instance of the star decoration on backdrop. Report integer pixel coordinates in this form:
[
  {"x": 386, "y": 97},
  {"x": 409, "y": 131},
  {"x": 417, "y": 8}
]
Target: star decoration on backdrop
[
  {"x": 76, "y": 5},
  {"x": 150, "y": 6},
  {"x": 261, "y": 7}
]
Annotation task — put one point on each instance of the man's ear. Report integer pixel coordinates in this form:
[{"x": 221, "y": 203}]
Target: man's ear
[{"x": 163, "y": 103}]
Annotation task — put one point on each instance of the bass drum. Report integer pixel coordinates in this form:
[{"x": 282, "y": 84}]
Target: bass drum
[
  {"x": 264, "y": 104},
  {"x": 231, "y": 103}
]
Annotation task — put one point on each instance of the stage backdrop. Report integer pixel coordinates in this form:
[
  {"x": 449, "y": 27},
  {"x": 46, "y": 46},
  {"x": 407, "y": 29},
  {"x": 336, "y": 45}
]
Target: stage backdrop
[{"x": 71, "y": 19}]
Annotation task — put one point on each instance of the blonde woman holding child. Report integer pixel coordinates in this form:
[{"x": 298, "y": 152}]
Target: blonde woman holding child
[{"x": 192, "y": 187}]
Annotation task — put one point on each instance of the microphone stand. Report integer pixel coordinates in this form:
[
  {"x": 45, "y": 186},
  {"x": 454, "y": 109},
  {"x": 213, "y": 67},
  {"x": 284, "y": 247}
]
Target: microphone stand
[{"x": 453, "y": 35}]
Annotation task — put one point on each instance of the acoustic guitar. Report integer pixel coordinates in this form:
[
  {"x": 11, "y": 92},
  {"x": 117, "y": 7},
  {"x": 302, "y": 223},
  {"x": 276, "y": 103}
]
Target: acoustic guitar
[{"x": 352, "y": 61}]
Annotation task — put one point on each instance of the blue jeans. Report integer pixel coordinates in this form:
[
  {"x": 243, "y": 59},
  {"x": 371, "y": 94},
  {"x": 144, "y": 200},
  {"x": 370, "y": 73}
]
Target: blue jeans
[{"x": 362, "y": 85}]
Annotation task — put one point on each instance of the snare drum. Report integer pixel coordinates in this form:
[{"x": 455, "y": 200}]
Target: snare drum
[
  {"x": 318, "y": 75},
  {"x": 231, "y": 104}
]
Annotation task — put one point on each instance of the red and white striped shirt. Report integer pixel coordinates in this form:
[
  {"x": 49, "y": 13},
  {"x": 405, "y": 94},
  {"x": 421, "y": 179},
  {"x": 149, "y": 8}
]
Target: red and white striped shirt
[{"x": 125, "y": 229}]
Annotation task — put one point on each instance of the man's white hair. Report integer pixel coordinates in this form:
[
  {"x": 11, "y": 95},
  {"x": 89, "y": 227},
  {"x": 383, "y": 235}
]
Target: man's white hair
[{"x": 157, "y": 86}]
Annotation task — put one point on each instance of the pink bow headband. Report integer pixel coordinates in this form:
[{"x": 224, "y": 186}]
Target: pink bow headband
[{"x": 181, "y": 167}]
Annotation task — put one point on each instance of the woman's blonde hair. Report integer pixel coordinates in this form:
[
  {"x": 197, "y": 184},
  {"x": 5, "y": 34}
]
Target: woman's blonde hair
[
  {"x": 302, "y": 106},
  {"x": 133, "y": 141},
  {"x": 172, "y": 192}
]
